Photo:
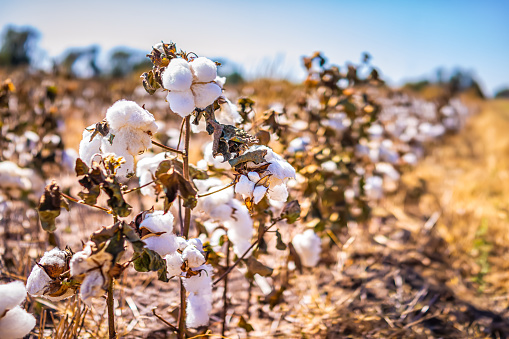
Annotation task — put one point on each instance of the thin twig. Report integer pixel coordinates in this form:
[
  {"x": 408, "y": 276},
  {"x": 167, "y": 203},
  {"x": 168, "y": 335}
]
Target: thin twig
[
  {"x": 111, "y": 312},
  {"x": 225, "y": 291},
  {"x": 219, "y": 190},
  {"x": 68, "y": 197},
  {"x": 167, "y": 148},
  {"x": 138, "y": 188},
  {"x": 173, "y": 328}
]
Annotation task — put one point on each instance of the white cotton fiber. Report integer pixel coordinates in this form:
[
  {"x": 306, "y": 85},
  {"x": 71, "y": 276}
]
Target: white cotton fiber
[
  {"x": 92, "y": 286},
  {"x": 200, "y": 283},
  {"x": 11, "y": 295},
  {"x": 218, "y": 161},
  {"x": 37, "y": 281},
  {"x": 205, "y": 70},
  {"x": 241, "y": 246},
  {"x": 229, "y": 114},
  {"x": 145, "y": 171},
  {"x": 259, "y": 193},
  {"x": 158, "y": 221},
  {"x": 197, "y": 311},
  {"x": 181, "y": 243},
  {"x": 128, "y": 114},
  {"x": 205, "y": 94},
  {"x": 16, "y": 324},
  {"x": 181, "y": 103},
  {"x": 163, "y": 244},
  {"x": 308, "y": 245},
  {"x": 240, "y": 220},
  {"x": 196, "y": 243},
  {"x": 89, "y": 147},
  {"x": 204, "y": 185},
  {"x": 253, "y": 176},
  {"x": 244, "y": 186},
  {"x": 193, "y": 256},
  {"x": 278, "y": 193},
  {"x": 174, "y": 264},
  {"x": 14, "y": 177},
  {"x": 177, "y": 76}
]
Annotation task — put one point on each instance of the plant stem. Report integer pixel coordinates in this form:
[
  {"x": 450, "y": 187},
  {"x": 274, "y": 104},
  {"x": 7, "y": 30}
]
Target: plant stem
[
  {"x": 111, "y": 312},
  {"x": 167, "y": 148},
  {"x": 138, "y": 188},
  {"x": 185, "y": 231},
  {"x": 68, "y": 197},
  {"x": 219, "y": 190},
  {"x": 245, "y": 253},
  {"x": 225, "y": 300}
]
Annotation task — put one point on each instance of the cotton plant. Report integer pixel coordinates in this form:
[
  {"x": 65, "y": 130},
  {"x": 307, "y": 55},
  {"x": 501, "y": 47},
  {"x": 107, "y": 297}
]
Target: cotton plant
[
  {"x": 15, "y": 322},
  {"x": 107, "y": 159},
  {"x": 308, "y": 246},
  {"x": 126, "y": 131}
]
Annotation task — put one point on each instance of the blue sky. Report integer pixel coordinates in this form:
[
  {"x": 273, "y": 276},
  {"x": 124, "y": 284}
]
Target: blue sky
[{"x": 407, "y": 39}]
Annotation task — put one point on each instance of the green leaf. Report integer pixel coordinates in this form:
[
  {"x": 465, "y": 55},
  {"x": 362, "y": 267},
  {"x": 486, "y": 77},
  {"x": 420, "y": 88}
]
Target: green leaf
[
  {"x": 258, "y": 157},
  {"x": 148, "y": 260}
]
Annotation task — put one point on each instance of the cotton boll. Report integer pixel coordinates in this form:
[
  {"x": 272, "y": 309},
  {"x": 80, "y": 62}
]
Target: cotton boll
[
  {"x": 196, "y": 243},
  {"x": 174, "y": 264},
  {"x": 278, "y": 193},
  {"x": 197, "y": 311},
  {"x": 241, "y": 246},
  {"x": 200, "y": 283},
  {"x": 177, "y": 76},
  {"x": 298, "y": 145},
  {"x": 220, "y": 81},
  {"x": 164, "y": 244},
  {"x": 11, "y": 295},
  {"x": 14, "y": 177},
  {"x": 193, "y": 256},
  {"x": 128, "y": 114},
  {"x": 205, "y": 94},
  {"x": 211, "y": 202},
  {"x": 308, "y": 246},
  {"x": 181, "y": 103},
  {"x": 126, "y": 168},
  {"x": 204, "y": 185},
  {"x": 181, "y": 243},
  {"x": 218, "y": 161},
  {"x": 215, "y": 238},
  {"x": 259, "y": 193},
  {"x": 16, "y": 323},
  {"x": 205, "y": 70},
  {"x": 37, "y": 281},
  {"x": 92, "y": 286},
  {"x": 244, "y": 186},
  {"x": 158, "y": 221},
  {"x": 240, "y": 220},
  {"x": 89, "y": 147},
  {"x": 229, "y": 114},
  {"x": 254, "y": 177}
]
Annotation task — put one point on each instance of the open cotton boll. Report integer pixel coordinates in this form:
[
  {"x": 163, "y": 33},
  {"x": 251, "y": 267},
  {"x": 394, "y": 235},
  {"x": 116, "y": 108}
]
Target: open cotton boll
[
  {"x": 11, "y": 295},
  {"x": 193, "y": 256},
  {"x": 181, "y": 243},
  {"x": 200, "y": 283},
  {"x": 16, "y": 323},
  {"x": 163, "y": 244},
  {"x": 205, "y": 70},
  {"x": 204, "y": 185},
  {"x": 229, "y": 114},
  {"x": 259, "y": 193},
  {"x": 254, "y": 177},
  {"x": 89, "y": 147},
  {"x": 92, "y": 286},
  {"x": 177, "y": 76},
  {"x": 128, "y": 114},
  {"x": 145, "y": 171},
  {"x": 196, "y": 243},
  {"x": 55, "y": 264},
  {"x": 205, "y": 94},
  {"x": 218, "y": 161},
  {"x": 241, "y": 246},
  {"x": 158, "y": 221},
  {"x": 308, "y": 246},
  {"x": 198, "y": 309},
  {"x": 278, "y": 193},
  {"x": 244, "y": 186},
  {"x": 240, "y": 220},
  {"x": 181, "y": 103},
  {"x": 174, "y": 264}
]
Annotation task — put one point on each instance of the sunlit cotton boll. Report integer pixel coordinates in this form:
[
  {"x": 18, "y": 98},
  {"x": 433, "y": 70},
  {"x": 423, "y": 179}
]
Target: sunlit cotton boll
[
  {"x": 11, "y": 295},
  {"x": 205, "y": 70},
  {"x": 174, "y": 263},
  {"x": 182, "y": 102},
  {"x": 146, "y": 169},
  {"x": 198, "y": 309},
  {"x": 16, "y": 323},
  {"x": 205, "y": 94},
  {"x": 308, "y": 245},
  {"x": 193, "y": 256},
  {"x": 89, "y": 147},
  {"x": 158, "y": 222},
  {"x": 200, "y": 283},
  {"x": 177, "y": 76},
  {"x": 92, "y": 286}
]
